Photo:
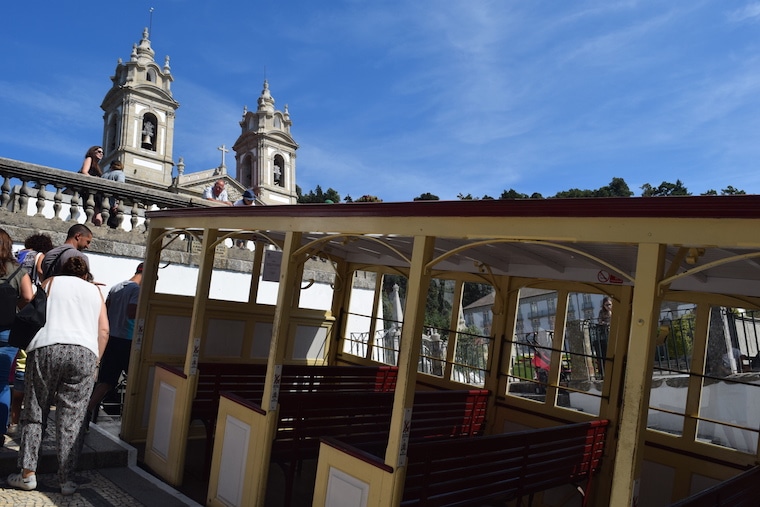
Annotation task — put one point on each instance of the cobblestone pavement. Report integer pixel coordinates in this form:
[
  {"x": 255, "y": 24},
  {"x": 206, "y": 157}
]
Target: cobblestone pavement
[
  {"x": 99, "y": 486},
  {"x": 94, "y": 490}
]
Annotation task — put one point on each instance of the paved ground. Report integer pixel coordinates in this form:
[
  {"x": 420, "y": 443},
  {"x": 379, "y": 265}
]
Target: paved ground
[{"x": 110, "y": 476}]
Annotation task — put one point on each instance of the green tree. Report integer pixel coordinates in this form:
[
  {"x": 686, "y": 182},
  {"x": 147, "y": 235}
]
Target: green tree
[
  {"x": 616, "y": 188},
  {"x": 368, "y": 198},
  {"x": 664, "y": 190},
  {"x": 732, "y": 191},
  {"x": 427, "y": 196},
  {"x": 574, "y": 192},
  {"x": 471, "y": 292},
  {"x": 317, "y": 195},
  {"x": 512, "y": 194}
]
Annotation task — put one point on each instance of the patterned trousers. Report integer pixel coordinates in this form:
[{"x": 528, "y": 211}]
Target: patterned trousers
[{"x": 62, "y": 375}]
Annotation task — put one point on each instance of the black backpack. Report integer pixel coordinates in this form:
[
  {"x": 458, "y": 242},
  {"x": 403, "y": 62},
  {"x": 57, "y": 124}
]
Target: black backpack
[{"x": 8, "y": 301}]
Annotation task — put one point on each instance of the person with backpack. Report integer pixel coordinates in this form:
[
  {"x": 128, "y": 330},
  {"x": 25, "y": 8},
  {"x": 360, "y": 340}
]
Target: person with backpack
[
  {"x": 62, "y": 360},
  {"x": 15, "y": 291},
  {"x": 35, "y": 248}
]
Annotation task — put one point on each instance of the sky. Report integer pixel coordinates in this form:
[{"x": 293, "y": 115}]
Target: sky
[{"x": 396, "y": 98}]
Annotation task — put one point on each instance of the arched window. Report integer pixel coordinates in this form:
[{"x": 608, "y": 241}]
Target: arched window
[
  {"x": 148, "y": 133},
  {"x": 247, "y": 178},
  {"x": 112, "y": 133},
  {"x": 150, "y": 76},
  {"x": 279, "y": 171}
]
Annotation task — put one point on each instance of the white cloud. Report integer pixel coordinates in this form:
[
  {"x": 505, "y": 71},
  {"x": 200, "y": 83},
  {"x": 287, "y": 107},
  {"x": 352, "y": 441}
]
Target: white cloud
[{"x": 749, "y": 12}]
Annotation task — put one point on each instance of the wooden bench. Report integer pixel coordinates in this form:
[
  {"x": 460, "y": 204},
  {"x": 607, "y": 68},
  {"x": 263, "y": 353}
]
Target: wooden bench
[
  {"x": 742, "y": 490},
  {"x": 363, "y": 420},
  {"x": 247, "y": 381},
  {"x": 498, "y": 468}
]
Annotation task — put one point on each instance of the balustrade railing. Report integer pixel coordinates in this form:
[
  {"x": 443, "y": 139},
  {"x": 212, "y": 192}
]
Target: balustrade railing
[{"x": 71, "y": 196}]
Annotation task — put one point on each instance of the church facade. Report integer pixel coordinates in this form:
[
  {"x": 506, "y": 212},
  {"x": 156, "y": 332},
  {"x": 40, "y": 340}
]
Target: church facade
[{"x": 139, "y": 128}]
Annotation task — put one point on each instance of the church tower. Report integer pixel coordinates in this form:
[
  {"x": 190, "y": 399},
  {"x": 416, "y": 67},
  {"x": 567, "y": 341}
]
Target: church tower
[
  {"x": 139, "y": 118},
  {"x": 265, "y": 152}
]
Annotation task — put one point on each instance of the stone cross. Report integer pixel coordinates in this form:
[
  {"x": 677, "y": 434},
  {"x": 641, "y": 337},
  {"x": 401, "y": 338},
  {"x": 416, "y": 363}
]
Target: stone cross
[{"x": 224, "y": 150}]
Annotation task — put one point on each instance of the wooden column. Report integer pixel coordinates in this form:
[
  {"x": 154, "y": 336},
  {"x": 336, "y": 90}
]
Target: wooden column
[
  {"x": 411, "y": 340},
  {"x": 637, "y": 379}
]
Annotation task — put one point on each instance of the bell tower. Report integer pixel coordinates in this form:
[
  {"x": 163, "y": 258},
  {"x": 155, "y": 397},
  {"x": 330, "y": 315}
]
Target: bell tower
[
  {"x": 139, "y": 118},
  {"x": 265, "y": 152}
]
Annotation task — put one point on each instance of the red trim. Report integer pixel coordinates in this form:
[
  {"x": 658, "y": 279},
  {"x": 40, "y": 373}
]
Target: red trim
[
  {"x": 172, "y": 369},
  {"x": 356, "y": 453},
  {"x": 734, "y": 206}
]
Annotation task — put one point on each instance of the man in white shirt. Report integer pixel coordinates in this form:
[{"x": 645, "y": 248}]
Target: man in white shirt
[{"x": 217, "y": 192}]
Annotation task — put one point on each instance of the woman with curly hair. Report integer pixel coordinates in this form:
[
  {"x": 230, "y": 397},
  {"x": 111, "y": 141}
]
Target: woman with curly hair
[
  {"x": 19, "y": 280},
  {"x": 60, "y": 370},
  {"x": 91, "y": 163}
]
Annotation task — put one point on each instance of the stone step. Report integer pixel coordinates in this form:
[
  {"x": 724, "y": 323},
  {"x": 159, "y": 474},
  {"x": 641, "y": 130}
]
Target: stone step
[{"x": 101, "y": 450}]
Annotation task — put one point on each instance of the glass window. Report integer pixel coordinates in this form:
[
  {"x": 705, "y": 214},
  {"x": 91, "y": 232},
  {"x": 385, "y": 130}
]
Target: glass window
[
  {"x": 584, "y": 351},
  {"x": 473, "y": 337},
  {"x": 532, "y": 345},
  {"x": 728, "y": 411},
  {"x": 673, "y": 353}
]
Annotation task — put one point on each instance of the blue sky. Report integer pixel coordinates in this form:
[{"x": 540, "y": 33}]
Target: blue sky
[{"x": 395, "y": 98}]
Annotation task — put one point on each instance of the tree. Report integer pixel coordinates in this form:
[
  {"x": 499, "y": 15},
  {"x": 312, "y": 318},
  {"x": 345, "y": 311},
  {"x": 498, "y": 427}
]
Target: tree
[
  {"x": 616, "y": 188},
  {"x": 574, "y": 192},
  {"x": 368, "y": 198},
  {"x": 427, "y": 196},
  {"x": 664, "y": 190},
  {"x": 512, "y": 194},
  {"x": 732, "y": 191},
  {"x": 317, "y": 195}
]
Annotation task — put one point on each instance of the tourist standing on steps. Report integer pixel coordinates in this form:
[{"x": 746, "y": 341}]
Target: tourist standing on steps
[
  {"x": 121, "y": 305},
  {"x": 19, "y": 280},
  {"x": 78, "y": 239},
  {"x": 35, "y": 248},
  {"x": 61, "y": 364}
]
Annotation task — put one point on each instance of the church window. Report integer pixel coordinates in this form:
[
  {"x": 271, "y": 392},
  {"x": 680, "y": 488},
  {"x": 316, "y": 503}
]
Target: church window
[
  {"x": 148, "y": 133},
  {"x": 112, "y": 133},
  {"x": 279, "y": 171},
  {"x": 247, "y": 173},
  {"x": 277, "y": 122}
]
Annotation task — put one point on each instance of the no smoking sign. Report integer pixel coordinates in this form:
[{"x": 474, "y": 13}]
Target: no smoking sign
[{"x": 607, "y": 277}]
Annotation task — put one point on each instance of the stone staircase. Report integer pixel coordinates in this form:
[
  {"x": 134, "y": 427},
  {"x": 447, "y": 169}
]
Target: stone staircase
[{"x": 101, "y": 449}]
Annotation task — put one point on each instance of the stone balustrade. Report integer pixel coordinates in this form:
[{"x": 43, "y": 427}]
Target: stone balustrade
[{"x": 74, "y": 197}]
